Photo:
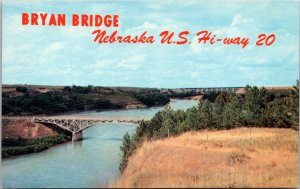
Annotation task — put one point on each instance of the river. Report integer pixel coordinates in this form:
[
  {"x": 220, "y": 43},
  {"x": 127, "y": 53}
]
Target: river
[{"x": 92, "y": 162}]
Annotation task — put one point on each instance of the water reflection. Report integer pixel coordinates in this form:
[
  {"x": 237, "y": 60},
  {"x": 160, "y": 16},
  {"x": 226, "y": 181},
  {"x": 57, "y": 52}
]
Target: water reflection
[{"x": 77, "y": 144}]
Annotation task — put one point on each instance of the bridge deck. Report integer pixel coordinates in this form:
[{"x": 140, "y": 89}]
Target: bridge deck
[
  {"x": 79, "y": 118},
  {"x": 75, "y": 124}
]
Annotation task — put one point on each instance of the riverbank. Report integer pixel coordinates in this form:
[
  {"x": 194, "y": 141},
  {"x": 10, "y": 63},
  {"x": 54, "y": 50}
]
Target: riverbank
[
  {"x": 26, "y": 128},
  {"x": 197, "y": 97},
  {"x": 49, "y": 100},
  {"x": 262, "y": 157},
  {"x": 23, "y": 136},
  {"x": 21, "y": 146}
]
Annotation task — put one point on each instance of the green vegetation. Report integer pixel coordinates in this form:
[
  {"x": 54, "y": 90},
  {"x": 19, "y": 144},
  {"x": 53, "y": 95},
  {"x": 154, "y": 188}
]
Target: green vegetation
[
  {"x": 21, "y": 89},
  {"x": 79, "y": 89},
  {"x": 14, "y": 147},
  {"x": 73, "y": 98},
  {"x": 256, "y": 108},
  {"x": 210, "y": 96},
  {"x": 153, "y": 99},
  {"x": 172, "y": 94},
  {"x": 78, "y": 98}
]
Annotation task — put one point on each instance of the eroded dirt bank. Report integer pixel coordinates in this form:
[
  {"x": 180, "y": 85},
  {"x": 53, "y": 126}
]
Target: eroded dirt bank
[{"x": 27, "y": 129}]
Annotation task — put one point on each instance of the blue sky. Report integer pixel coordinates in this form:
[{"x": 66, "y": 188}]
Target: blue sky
[{"x": 68, "y": 55}]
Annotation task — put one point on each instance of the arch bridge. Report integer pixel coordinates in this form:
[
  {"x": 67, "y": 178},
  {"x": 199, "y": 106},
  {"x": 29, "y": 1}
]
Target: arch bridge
[
  {"x": 73, "y": 124},
  {"x": 76, "y": 125}
]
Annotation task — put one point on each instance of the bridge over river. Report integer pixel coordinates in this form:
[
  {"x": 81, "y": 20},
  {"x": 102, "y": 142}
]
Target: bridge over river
[{"x": 75, "y": 124}]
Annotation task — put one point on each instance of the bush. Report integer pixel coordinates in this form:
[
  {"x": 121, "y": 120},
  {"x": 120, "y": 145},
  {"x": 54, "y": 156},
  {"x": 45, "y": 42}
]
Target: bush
[
  {"x": 210, "y": 96},
  {"x": 127, "y": 148},
  {"x": 13, "y": 147},
  {"x": 103, "y": 104},
  {"x": 153, "y": 99},
  {"x": 21, "y": 89}
]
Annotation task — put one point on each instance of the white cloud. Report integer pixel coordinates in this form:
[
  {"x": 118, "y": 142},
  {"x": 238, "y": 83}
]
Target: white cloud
[
  {"x": 101, "y": 64},
  {"x": 239, "y": 20},
  {"x": 159, "y": 5},
  {"x": 132, "y": 63},
  {"x": 144, "y": 27},
  {"x": 55, "y": 47}
]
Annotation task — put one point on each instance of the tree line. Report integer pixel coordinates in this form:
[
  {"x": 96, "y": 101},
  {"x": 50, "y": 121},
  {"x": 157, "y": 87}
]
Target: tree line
[
  {"x": 78, "y": 98},
  {"x": 20, "y": 146},
  {"x": 225, "y": 110},
  {"x": 156, "y": 97},
  {"x": 52, "y": 103}
]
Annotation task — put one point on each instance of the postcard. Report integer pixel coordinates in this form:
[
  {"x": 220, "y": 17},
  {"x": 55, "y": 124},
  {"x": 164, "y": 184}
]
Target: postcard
[{"x": 150, "y": 94}]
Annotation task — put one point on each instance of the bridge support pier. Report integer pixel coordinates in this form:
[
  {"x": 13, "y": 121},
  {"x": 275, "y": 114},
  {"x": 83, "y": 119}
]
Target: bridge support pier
[{"x": 77, "y": 136}]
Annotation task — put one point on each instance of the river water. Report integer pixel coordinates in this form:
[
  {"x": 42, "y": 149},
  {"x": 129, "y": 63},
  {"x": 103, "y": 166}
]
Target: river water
[{"x": 92, "y": 162}]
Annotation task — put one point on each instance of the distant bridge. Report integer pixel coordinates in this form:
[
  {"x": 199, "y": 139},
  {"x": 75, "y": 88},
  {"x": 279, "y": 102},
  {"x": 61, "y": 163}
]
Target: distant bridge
[
  {"x": 75, "y": 124},
  {"x": 213, "y": 89}
]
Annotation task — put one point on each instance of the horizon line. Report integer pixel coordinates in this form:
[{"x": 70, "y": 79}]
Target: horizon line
[{"x": 42, "y": 85}]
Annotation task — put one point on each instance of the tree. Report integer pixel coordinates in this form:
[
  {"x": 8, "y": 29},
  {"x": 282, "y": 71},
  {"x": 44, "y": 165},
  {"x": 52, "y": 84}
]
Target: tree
[
  {"x": 231, "y": 115},
  {"x": 6, "y": 108},
  {"x": 192, "y": 121},
  {"x": 67, "y": 88},
  {"x": 293, "y": 104},
  {"x": 21, "y": 89},
  {"x": 168, "y": 123},
  {"x": 103, "y": 104},
  {"x": 254, "y": 103},
  {"x": 278, "y": 113},
  {"x": 205, "y": 115},
  {"x": 218, "y": 108},
  {"x": 125, "y": 148},
  {"x": 211, "y": 96}
]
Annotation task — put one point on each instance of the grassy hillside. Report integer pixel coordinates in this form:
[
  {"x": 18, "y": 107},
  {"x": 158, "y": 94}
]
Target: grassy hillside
[{"x": 260, "y": 157}]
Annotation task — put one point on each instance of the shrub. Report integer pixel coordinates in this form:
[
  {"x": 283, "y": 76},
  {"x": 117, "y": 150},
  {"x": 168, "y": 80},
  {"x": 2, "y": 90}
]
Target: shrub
[
  {"x": 21, "y": 89},
  {"x": 13, "y": 147}
]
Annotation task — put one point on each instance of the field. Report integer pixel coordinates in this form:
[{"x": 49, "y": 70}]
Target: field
[{"x": 244, "y": 157}]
